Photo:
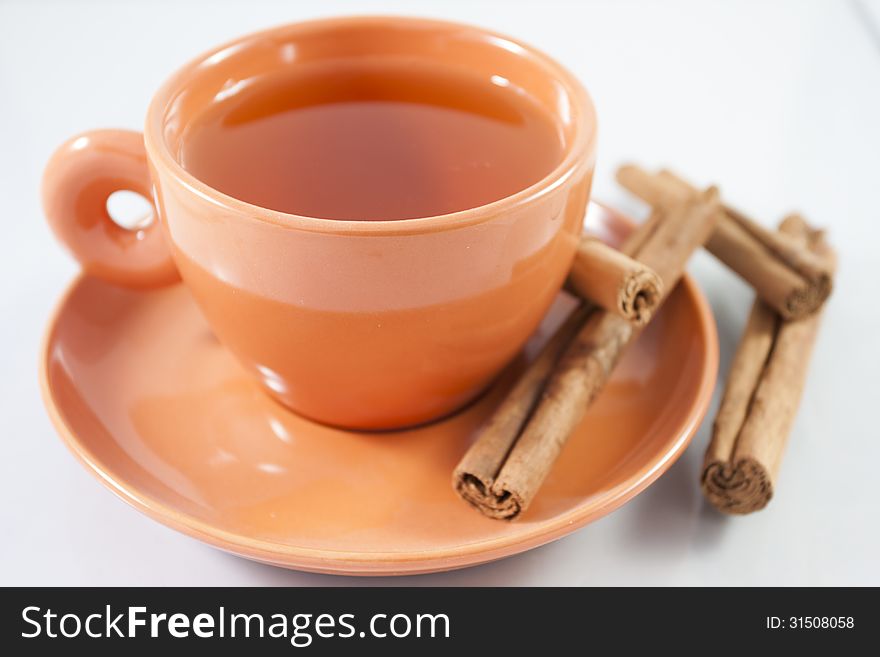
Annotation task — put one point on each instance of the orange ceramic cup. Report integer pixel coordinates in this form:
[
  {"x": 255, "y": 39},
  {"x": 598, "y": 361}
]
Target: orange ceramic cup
[{"x": 361, "y": 324}]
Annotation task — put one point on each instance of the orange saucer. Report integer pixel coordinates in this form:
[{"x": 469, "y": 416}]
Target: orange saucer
[{"x": 149, "y": 401}]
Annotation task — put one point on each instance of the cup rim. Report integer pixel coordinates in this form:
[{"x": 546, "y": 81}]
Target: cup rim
[{"x": 580, "y": 152}]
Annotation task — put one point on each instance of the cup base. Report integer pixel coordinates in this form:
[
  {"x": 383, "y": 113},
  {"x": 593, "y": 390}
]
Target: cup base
[{"x": 165, "y": 417}]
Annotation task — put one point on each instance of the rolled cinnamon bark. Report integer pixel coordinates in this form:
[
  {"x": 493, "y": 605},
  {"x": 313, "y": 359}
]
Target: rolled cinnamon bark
[
  {"x": 476, "y": 472},
  {"x": 793, "y": 281},
  {"x": 614, "y": 281},
  {"x": 763, "y": 391},
  {"x": 504, "y": 468}
]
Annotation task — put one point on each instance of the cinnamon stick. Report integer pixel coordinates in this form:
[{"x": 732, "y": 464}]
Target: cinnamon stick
[
  {"x": 793, "y": 281},
  {"x": 481, "y": 463},
  {"x": 504, "y": 468},
  {"x": 614, "y": 281},
  {"x": 763, "y": 391}
]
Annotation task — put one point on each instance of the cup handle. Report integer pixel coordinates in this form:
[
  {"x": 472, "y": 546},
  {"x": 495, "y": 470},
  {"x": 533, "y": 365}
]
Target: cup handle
[{"x": 79, "y": 178}]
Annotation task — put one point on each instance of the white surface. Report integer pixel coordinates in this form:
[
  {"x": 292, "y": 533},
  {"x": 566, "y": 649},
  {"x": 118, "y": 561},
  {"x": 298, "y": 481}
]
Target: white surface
[{"x": 777, "y": 101}]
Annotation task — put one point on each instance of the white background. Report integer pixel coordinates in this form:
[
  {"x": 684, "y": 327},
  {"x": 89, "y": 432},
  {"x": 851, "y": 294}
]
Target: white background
[{"x": 778, "y": 102}]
